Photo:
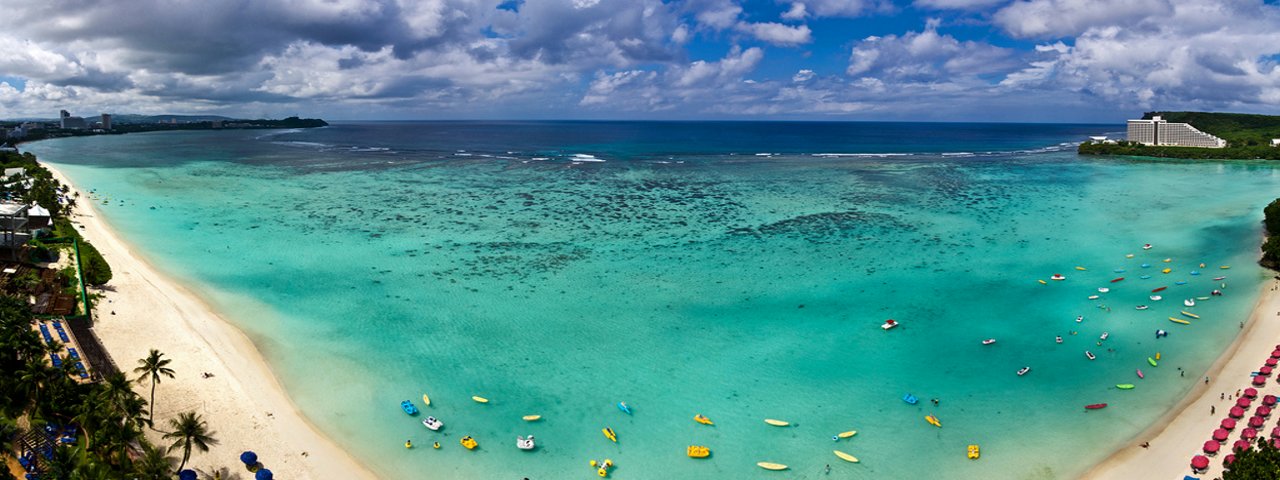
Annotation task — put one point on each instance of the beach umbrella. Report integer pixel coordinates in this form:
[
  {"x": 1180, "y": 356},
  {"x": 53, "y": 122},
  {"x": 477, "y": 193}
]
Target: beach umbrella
[
  {"x": 1236, "y": 412},
  {"x": 1211, "y": 446},
  {"x": 249, "y": 458},
  {"x": 1251, "y": 392},
  {"x": 1249, "y": 434},
  {"x": 1199, "y": 462},
  {"x": 263, "y": 474},
  {"x": 1269, "y": 400},
  {"x": 1263, "y": 411},
  {"x": 1240, "y": 445},
  {"x": 1221, "y": 434},
  {"x": 187, "y": 474},
  {"x": 1271, "y": 362},
  {"x": 1275, "y": 354},
  {"x": 1275, "y": 432},
  {"x": 1265, "y": 370},
  {"x": 1255, "y": 422},
  {"x": 1229, "y": 423},
  {"x": 1243, "y": 402},
  {"x": 1229, "y": 459},
  {"x": 1259, "y": 380}
]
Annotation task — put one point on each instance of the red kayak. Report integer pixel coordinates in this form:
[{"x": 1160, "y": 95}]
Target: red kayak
[
  {"x": 1117, "y": 280},
  {"x": 1096, "y": 406},
  {"x": 1158, "y": 289}
]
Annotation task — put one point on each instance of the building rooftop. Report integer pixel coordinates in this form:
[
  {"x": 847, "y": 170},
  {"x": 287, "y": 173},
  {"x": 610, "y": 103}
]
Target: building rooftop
[{"x": 10, "y": 209}]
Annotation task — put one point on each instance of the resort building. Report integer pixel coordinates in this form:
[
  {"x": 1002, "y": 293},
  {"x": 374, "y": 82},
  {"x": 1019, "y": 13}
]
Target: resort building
[
  {"x": 68, "y": 121},
  {"x": 13, "y": 227},
  {"x": 106, "y": 121},
  {"x": 1157, "y": 131},
  {"x": 1275, "y": 142}
]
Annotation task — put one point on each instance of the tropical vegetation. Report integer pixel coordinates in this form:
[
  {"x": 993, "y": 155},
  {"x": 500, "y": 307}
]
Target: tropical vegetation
[
  {"x": 1271, "y": 246},
  {"x": 1261, "y": 463},
  {"x": 1248, "y": 137},
  {"x": 152, "y": 369}
]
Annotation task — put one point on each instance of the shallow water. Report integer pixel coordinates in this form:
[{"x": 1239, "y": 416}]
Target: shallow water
[{"x": 374, "y": 262}]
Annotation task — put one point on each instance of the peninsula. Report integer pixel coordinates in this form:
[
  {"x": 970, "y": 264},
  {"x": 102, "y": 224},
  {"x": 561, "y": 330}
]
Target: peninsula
[
  {"x": 15, "y": 132},
  {"x": 1247, "y": 136}
]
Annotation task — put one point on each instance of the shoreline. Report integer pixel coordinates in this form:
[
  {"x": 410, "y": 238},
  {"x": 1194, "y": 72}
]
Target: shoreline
[
  {"x": 244, "y": 404},
  {"x": 1174, "y": 442}
]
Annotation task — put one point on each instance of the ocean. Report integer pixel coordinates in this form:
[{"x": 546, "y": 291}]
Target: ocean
[{"x": 736, "y": 270}]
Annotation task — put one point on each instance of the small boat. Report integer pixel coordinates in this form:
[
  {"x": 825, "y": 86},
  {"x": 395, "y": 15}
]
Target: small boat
[
  {"x": 1201, "y": 299},
  {"x": 1093, "y": 297},
  {"x": 1179, "y": 320},
  {"x": 1103, "y": 289},
  {"x": 697, "y": 451},
  {"x": 1141, "y": 307},
  {"x": 1042, "y": 282},
  {"x": 1225, "y": 267},
  {"x": 1152, "y": 361},
  {"x": 771, "y": 466},
  {"x": 532, "y": 418},
  {"x": 909, "y": 398},
  {"x": 1195, "y": 272},
  {"x": 989, "y": 341},
  {"x": 1219, "y": 279},
  {"x": 1095, "y": 406},
  {"x": 1058, "y": 277},
  {"x": 1146, "y": 265},
  {"x": 1157, "y": 355},
  {"x": 625, "y": 409},
  {"x": 1081, "y": 268},
  {"x": 847, "y": 434},
  {"x": 890, "y": 323},
  {"x": 1158, "y": 289},
  {"x": 1156, "y": 298},
  {"x": 1161, "y": 333},
  {"x": 1114, "y": 280},
  {"x": 1023, "y": 371},
  {"x": 432, "y": 423},
  {"x": 1128, "y": 255},
  {"x": 1058, "y": 338},
  {"x": 1079, "y": 318},
  {"x": 1090, "y": 355},
  {"x": 933, "y": 421},
  {"x": 1119, "y": 270},
  {"x": 408, "y": 407},
  {"x": 1180, "y": 282},
  {"x": 1167, "y": 260},
  {"x": 1144, "y": 277},
  {"x": 1124, "y": 386},
  {"x": 1140, "y": 375},
  {"x": 426, "y": 401},
  {"x": 702, "y": 419},
  {"x": 1104, "y": 335},
  {"x": 1189, "y": 314},
  {"x": 525, "y": 443},
  {"x": 1189, "y": 302},
  {"x": 1167, "y": 270},
  {"x": 846, "y": 457},
  {"x": 610, "y": 434},
  {"x": 479, "y": 399},
  {"x": 776, "y": 423},
  {"x": 468, "y": 442},
  {"x": 974, "y": 453},
  {"x": 1146, "y": 246}
]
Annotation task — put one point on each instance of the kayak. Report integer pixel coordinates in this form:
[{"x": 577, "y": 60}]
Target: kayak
[
  {"x": 1095, "y": 406},
  {"x": 426, "y": 401},
  {"x": 1189, "y": 314},
  {"x": 479, "y": 399},
  {"x": 771, "y": 466},
  {"x": 702, "y": 419},
  {"x": 1125, "y": 386},
  {"x": 1152, "y": 361},
  {"x": 1224, "y": 267},
  {"x": 1114, "y": 280},
  {"x": 609, "y": 434},
  {"x": 1042, "y": 282},
  {"x": 776, "y": 423},
  {"x": 847, "y": 434},
  {"x": 1167, "y": 270},
  {"x": 1081, "y": 269},
  {"x": 1179, "y": 320},
  {"x": 846, "y": 457},
  {"x": 623, "y": 406},
  {"x": 1219, "y": 279},
  {"x": 1157, "y": 355},
  {"x": 532, "y": 418},
  {"x": 1140, "y": 375},
  {"x": 933, "y": 421},
  {"x": 1158, "y": 289}
]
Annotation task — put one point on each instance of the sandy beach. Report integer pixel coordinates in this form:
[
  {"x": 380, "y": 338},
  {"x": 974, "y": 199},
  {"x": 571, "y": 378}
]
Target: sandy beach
[
  {"x": 1173, "y": 443},
  {"x": 242, "y": 402}
]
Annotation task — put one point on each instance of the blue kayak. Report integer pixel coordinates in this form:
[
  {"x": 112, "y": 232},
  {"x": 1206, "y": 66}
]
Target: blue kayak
[
  {"x": 623, "y": 406},
  {"x": 909, "y": 398},
  {"x": 408, "y": 407}
]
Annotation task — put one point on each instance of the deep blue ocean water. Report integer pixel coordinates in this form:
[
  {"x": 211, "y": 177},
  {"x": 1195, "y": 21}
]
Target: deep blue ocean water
[{"x": 737, "y": 270}]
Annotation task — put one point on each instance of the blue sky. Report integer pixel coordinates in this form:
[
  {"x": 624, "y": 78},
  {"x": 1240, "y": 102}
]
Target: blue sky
[{"x": 932, "y": 60}]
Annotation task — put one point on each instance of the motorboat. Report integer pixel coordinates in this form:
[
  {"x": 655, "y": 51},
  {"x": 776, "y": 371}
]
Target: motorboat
[
  {"x": 1103, "y": 289},
  {"x": 1104, "y": 335},
  {"x": 1156, "y": 298},
  {"x": 890, "y": 323},
  {"x": 1141, "y": 307},
  {"x": 989, "y": 341},
  {"x": 1023, "y": 371},
  {"x": 1189, "y": 302},
  {"x": 1058, "y": 277},
  {"x": 525, "y": 443},
  {"x": 1146, "y": 246},
  {"x": 408, "y": 407},
  {"x": 432, "y": 423},
  {"x": 1090, "y": 355}
]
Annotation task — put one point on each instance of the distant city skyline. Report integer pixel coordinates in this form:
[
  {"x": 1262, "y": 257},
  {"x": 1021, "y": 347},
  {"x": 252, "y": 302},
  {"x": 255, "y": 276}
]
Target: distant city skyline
[{"x": 926, "y": 60}]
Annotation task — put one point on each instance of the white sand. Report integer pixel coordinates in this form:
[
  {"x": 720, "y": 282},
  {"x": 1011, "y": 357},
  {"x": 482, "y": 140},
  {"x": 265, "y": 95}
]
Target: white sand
[
  {"x": 1173, "y": 443},
  {"x": 243, "y": 403}
]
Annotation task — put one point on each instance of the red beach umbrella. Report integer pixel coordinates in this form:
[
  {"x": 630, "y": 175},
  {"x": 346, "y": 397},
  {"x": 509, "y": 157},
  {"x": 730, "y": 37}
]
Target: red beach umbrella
[
  {"x": 1221, "y": 434},
  {"x": 1259, "y": 380},
  {"x": 1229, "y": 459},
  {"x": 1265, "y": 370},
  {"x": 1263, "y": 411},
  {"x": 1249, "y": 434},
  {"x": 1229, "y": 423},
  {"x": 1240, "y": 445},
  {"x": 1199, "y": 462},
  {"x": 1251, "y": 392},
  {"x": 1271, "y": 362},
  {"x": 1243, "y": 402},
  {"x": 1255, "y": 422},
  {"x": 1236, "y": 412},
  {"x": 1269, "y": 400},
  {"x": 1275, "y": 432},
  {"x": 1212, "y": 446},
  {"x": 1275, "y": 353}
]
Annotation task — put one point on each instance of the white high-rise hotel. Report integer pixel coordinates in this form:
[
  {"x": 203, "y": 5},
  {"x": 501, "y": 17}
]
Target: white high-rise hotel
[{"x": 1159, "y": 132}]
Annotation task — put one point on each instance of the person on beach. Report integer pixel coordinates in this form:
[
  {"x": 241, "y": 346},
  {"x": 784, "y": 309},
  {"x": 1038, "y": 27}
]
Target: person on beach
[
  {"x": 1206, "y": 380},
  {"x": 1212, "y": 409}
]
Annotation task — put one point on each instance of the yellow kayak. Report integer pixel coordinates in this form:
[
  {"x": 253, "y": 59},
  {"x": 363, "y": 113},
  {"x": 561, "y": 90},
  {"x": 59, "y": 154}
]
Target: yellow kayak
[
  {"x": 771, "y": 466},
  {"x": 1042, "y": 282},
  {"x": 846, "y": 457},
  {"x": 933, "y": 421},
  {"x": 847, "y": 434},
  {"x": 1189, "y": 314},
  {"x": 479, "y": 399},
  {"x": 1179, "y": 320},
  {"x": 776, "y": 423},
  {"x": 700, "y": 418},
  {"x": 1167, "y": 270},
  {"x": 1081, "y": 269},
  {"x": 1224, "y": 267},
  {"x": 532, "y": 418},
  {"x": 426, "y": 401},
  {"x": 609, "y": 434}
]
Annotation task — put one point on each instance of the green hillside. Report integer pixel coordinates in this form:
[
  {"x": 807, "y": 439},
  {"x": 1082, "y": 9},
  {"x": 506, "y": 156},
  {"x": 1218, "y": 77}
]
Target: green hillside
[{"x": 1248, "y": 136}]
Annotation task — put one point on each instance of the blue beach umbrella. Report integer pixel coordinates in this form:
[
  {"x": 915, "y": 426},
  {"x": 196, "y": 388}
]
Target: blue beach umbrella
[
  {"x": 249, "y": 458},
  {"x": 187, "y": 474},
  {"x": 263, "y": 474}
]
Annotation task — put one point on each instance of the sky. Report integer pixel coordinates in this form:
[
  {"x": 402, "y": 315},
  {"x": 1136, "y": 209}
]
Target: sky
[{"x": 927, "y": 60}]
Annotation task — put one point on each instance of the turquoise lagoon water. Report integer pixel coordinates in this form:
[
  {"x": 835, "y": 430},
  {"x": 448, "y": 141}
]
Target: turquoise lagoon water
[{"x": 374, "y": 262}]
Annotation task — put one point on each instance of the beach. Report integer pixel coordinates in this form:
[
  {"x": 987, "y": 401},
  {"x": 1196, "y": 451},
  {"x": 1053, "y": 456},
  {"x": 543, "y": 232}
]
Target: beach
[
  {"x": 1178, "y": 438},
  {"x": 242, "y": 402}
]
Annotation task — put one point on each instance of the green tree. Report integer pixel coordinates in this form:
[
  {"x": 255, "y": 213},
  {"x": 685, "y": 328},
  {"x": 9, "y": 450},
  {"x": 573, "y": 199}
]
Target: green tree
[
  {"x": 151, "y": 369},
  {"x": 1271, "y": 217},
  {"x": 1261, "y": 463},
  {"x": 189, "y": 430},
  {"x": 153, "y": 464}
]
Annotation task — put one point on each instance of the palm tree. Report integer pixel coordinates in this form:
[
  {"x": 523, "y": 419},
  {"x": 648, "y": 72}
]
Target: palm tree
[
  {"x": 151, "y": 368},
  {"x": 189, "y": 430},
  {"x": 153, "y": 464}
]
